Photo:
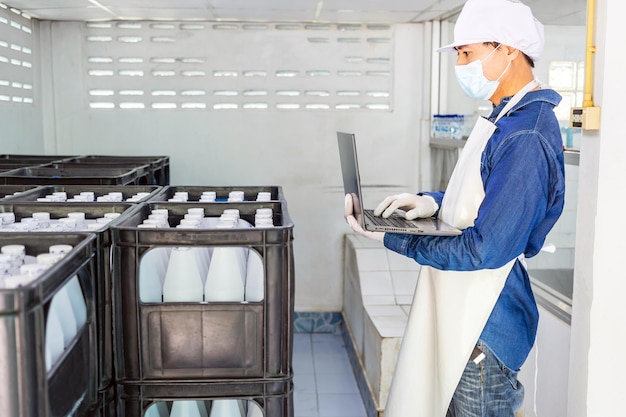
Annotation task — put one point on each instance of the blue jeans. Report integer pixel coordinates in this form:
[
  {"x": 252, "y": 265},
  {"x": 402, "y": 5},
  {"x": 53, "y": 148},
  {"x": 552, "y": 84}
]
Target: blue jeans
[{"x": 487, "y": 389}]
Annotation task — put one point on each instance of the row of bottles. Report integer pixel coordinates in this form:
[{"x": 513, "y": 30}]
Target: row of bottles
[
  {"x": 67, "y": 312},
  {"x": 196, "y": 219},
  {"x": 90, "y": 196},
  {"x": 202, "y": 274},
  {"x": 199, "y": 408},
  {"x": 211, "y": 196},
  {"x": 43, "y": 222},
  {"x": 19, "y": 269}
]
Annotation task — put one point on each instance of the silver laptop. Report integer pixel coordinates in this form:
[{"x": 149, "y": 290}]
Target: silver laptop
[{"x": 395, "y": 223}]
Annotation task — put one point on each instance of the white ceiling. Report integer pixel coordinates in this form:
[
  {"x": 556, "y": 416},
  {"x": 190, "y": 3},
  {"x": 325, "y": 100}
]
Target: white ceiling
[{"x": 557, "y": 12}]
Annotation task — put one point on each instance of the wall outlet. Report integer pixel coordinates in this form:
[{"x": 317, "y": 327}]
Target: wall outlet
[{"x": 586, "y": 118}]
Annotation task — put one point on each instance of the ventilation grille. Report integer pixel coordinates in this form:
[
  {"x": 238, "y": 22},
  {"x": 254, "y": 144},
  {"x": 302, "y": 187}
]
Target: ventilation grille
[
  {"x": 229, "y": 66},
  {"x": 16, "y": 57}
]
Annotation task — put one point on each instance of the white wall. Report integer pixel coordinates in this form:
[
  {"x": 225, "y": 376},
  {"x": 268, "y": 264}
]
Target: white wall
[
  {"x": 597, "y": 362},
  {"x": 21, "y": 121},
  {"x": 292, "y": 148}
]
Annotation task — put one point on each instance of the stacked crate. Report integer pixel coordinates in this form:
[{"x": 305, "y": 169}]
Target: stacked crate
[
  {"x": 205, "y": 351},
  {"x": 103, "y": 350},
  {"x": 87, "y": 169},
  {"x": 159, "y": 165},
  {"x": 27, "y": 387}
]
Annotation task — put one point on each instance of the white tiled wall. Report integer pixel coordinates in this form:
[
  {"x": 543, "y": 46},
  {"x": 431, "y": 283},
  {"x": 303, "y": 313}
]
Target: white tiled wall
[{"x": 377, "y": 313}]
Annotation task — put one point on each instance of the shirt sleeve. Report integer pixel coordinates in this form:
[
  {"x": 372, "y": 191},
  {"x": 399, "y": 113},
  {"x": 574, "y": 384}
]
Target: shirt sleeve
[{"x": 516, "y": 182}]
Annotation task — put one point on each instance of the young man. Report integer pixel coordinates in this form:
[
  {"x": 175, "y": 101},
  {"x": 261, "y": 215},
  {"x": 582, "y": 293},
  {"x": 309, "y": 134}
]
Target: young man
[{"x": 474, "y": 319}]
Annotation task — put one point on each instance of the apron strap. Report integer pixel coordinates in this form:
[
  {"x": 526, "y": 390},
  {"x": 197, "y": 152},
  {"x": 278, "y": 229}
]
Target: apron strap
[{"x": 516, "y": 98}]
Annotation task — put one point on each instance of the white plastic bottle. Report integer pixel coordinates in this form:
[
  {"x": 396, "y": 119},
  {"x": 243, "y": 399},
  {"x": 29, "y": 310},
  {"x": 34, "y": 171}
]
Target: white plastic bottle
[
  {"x": 263, "y": 196},
  {"x": 77, "y": 299},
  {"x": 185, "y": 408},
  {"x": 183, "y": 281},
  {"x": 152, "y": 269},
  {"x": 226, "y": 408},
  {"x": 61, "y": 249},
  {"x": 63, "y": 307},
  {"x": 225, "y": 279},
  {"x": 54, "y": 344},
  {"x": 16, "y": 254},
  {"x": 81, "y": 220},
  {"x": 42, "y": 218},
  {"x": 208, "y": 197},
  {"x": 236, "y": 196},
  {"x": 202, "y": 408},
  {"x": 254, "y": 410},
  {"x": 255, "y": 278},
  {"x": 158, "y": 409}
]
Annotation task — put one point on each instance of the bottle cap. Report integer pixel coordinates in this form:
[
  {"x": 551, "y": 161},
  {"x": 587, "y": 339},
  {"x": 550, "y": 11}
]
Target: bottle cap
[
  {"x": 48, "y": 258},
  {"x": 61, "y": 249},
  {"x": 13, "y": 250},
  {"x": 196, "y": 210}
]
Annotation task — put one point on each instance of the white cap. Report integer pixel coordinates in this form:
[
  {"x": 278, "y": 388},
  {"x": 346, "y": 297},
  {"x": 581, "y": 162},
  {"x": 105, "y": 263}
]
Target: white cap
[{"x": 509, "y": 22}]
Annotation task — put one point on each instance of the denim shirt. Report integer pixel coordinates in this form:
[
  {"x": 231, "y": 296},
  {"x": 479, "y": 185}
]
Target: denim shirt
[{"x": 523, "y": 177}]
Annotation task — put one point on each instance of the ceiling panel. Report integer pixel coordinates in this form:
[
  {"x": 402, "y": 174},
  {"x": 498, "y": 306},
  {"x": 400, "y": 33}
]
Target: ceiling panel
[
  {"x": 164, "y": 13},
  {"x": 366, "y": 16},
  {"x": 569, "y": 12}
]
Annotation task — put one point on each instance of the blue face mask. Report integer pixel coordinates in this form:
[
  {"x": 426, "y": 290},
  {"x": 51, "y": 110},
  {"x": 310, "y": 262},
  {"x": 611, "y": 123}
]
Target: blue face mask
[{"x": 473, "y": 81}]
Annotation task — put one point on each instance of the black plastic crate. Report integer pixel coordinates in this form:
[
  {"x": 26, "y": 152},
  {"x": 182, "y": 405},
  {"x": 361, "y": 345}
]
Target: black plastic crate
[
  {"x": 9, "y": 166},
  {"x": 103, "y": 284},
  {"x": 127, "y": 191},
  {"x": 157, "y": 341},
  {"x": 106, "y": 404},
  {"x": 28, "y": 160},
  {"x": 273, "y": 398},
  {"x": 145, "y": 174},
  {"x": 48, "y": 176},
  {"x": 195, "y": 192},
  {"x": 160, "y": 165},
  {"x": 27, "y": 387}
]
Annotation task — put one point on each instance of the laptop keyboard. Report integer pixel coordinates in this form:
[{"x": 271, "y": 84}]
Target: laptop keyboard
[{"x": 393, "y": 220}]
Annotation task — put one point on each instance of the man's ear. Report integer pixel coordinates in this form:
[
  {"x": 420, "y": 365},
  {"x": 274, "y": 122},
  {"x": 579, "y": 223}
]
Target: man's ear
[{"x": 511, "y": 53}]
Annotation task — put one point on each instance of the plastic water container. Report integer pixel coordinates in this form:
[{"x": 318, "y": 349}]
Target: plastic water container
[{"x": 447, "y": 126}]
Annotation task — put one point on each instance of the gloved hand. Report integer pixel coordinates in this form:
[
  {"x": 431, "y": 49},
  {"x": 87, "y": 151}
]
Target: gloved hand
[
  {"x": 414, "y": 205},
  {"x": 354, "y": 224}
]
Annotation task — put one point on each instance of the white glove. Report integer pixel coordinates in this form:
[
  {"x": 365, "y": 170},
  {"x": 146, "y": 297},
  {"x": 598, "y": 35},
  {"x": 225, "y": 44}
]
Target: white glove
[
  {"x": 354, "y": 224},
  {"x": 414, "y": 205}
]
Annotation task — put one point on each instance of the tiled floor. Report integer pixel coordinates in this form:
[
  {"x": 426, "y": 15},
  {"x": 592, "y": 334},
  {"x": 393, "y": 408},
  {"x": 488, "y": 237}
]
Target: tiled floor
[{"x": 324, "y": 384}]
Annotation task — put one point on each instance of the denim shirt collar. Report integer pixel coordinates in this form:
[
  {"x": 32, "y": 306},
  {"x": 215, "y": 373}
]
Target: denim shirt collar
[{"x": 547, "y": 95}]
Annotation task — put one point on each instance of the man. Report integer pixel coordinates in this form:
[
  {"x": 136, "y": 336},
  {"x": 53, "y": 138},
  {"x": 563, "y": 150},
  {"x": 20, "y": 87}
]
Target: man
[{"x": 474, "y": 319}]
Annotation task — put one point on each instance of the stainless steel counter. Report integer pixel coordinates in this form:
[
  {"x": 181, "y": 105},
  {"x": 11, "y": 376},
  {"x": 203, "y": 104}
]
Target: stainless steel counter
[{"x": 553, "y": 289}]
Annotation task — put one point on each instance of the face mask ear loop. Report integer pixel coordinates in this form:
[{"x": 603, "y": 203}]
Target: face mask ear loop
[
  {"x": 507, "y": 67},
  {"x": 490, "y": 53}
]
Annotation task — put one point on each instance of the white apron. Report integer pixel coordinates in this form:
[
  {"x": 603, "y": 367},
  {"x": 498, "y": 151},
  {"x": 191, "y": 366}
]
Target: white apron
[{"x": 450, "y": 308}]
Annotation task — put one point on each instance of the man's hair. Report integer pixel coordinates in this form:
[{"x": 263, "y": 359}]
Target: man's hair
[{"x": 526, "y": 57}]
